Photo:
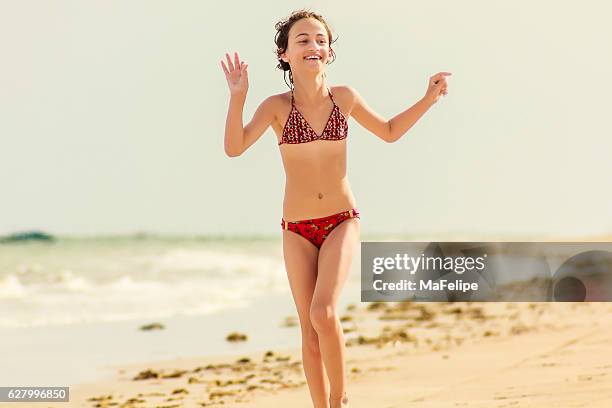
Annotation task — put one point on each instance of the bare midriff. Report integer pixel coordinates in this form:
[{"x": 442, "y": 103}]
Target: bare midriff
[{"x": 316, "y": 184}]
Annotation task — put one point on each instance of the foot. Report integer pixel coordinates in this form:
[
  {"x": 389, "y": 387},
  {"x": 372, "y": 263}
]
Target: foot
[{"x": 339, "y": 402}]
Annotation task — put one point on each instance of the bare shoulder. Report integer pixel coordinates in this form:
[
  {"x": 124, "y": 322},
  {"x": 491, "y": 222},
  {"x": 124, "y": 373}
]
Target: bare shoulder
[
  {"x": 345, "y": 97},
  {"x": 343, "y": 91},
  {"x": 280, "y": 98},
  {"x": 271, "y": 101},
  {"x": 278, "y": 102},
  {"x": 280, "y": 105}
]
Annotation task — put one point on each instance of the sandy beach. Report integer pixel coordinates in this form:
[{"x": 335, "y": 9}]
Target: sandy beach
[
  {"x": 144, "y": 257},
  {"x": 400, "y": 355}
]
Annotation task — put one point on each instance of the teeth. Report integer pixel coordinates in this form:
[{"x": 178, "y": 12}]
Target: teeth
[{"x": 313, "y": 57}]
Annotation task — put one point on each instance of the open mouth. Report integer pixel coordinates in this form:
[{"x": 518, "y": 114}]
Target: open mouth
[{"x": 313, "y": 58}]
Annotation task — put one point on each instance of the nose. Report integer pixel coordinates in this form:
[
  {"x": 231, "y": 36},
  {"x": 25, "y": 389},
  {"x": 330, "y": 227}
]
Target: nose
[{"x": 313, "y": 46}]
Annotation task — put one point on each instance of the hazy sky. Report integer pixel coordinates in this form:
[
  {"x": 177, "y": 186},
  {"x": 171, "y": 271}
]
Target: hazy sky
[{"x": 112, "y": 116}]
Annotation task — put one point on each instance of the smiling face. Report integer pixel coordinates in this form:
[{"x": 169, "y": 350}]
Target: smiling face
[{"x": 307, "y": 46}]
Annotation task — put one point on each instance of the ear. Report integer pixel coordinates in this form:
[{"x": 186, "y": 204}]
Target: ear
[{"x": 283, "y": 57}]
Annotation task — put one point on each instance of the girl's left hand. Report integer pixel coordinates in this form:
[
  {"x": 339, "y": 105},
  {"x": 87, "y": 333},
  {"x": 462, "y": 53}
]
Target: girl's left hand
[{"x": 437, "y": 86}]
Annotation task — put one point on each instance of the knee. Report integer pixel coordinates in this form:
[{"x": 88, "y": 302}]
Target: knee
[
  {"x": 323, "y": 317},
  {"x": 310, "y": 341}
]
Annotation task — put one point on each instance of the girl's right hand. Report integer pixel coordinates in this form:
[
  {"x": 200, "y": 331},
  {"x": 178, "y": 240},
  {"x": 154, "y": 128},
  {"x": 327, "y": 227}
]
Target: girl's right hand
[{"x": 236, "y": 75}]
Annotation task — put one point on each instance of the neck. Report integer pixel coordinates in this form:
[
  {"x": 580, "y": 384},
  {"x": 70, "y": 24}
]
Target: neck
[{"x": 310, "y": 90}]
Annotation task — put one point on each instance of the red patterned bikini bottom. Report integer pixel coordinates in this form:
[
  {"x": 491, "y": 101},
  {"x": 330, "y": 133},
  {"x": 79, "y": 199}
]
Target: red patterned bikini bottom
[{"x": 316, "y": 230}]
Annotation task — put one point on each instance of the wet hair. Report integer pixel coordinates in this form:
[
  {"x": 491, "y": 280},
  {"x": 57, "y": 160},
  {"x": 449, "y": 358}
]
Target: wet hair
[{"x": 281, "y": 39}]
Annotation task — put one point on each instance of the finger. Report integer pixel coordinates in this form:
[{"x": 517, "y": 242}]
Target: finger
[
  {"x": 229, "y": 62},
  {"x": 437, "y": 78},
  {"x": 236, "y": 60},
  {"x": 224, "y": 68},
  {"x": 441, "y": 75}
]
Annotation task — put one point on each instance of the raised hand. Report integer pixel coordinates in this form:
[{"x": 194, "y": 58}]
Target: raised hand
[
  {"x": 437, "y": 86},
  {"x": 236, "y": 75}
]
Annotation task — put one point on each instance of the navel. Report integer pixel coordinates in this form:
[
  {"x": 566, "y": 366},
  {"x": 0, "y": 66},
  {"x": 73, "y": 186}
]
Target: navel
[{"x": 320, "y": 196}]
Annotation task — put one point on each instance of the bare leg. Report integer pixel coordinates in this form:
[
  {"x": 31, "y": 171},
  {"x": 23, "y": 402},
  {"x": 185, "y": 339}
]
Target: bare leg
[
  {"x": 335, "y": 257},
  {"x": 301, "y": 265}
]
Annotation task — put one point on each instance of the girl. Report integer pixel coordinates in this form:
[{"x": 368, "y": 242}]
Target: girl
[{"x": 320, "y": 220}]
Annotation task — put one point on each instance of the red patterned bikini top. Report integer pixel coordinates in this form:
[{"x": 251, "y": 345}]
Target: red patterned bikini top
[{"x": 297, "y": 130}]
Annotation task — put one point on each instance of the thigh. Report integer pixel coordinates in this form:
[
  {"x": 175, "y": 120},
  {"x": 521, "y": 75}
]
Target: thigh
[
  {"x": 335, "y": 258},
  {"x": 301, "y": 264}
]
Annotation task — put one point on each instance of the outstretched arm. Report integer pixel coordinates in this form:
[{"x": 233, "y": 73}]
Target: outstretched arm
[
  {"x": 393, "y": 129},
  {"x": 237, "y": 137}
]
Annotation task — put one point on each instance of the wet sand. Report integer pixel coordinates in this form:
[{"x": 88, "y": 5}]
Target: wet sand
[{"x": 400, "y": 355}]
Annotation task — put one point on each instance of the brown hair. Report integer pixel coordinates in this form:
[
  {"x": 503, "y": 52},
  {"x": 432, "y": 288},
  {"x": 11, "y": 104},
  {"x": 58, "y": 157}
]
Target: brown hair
[{"x": 281, "y": 39}]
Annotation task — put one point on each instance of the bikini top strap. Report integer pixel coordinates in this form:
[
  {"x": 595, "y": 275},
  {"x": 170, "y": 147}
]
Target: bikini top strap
[
  {"x": 292, "y": 101},
  {"x": 330, "y": 95}
]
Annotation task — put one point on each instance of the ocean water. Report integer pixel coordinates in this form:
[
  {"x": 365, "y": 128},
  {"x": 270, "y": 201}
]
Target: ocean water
[
  {"x": 70, "y": 310},
  {"x": 71, "y": 281},
  {"x": 90, "y": 280}
]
